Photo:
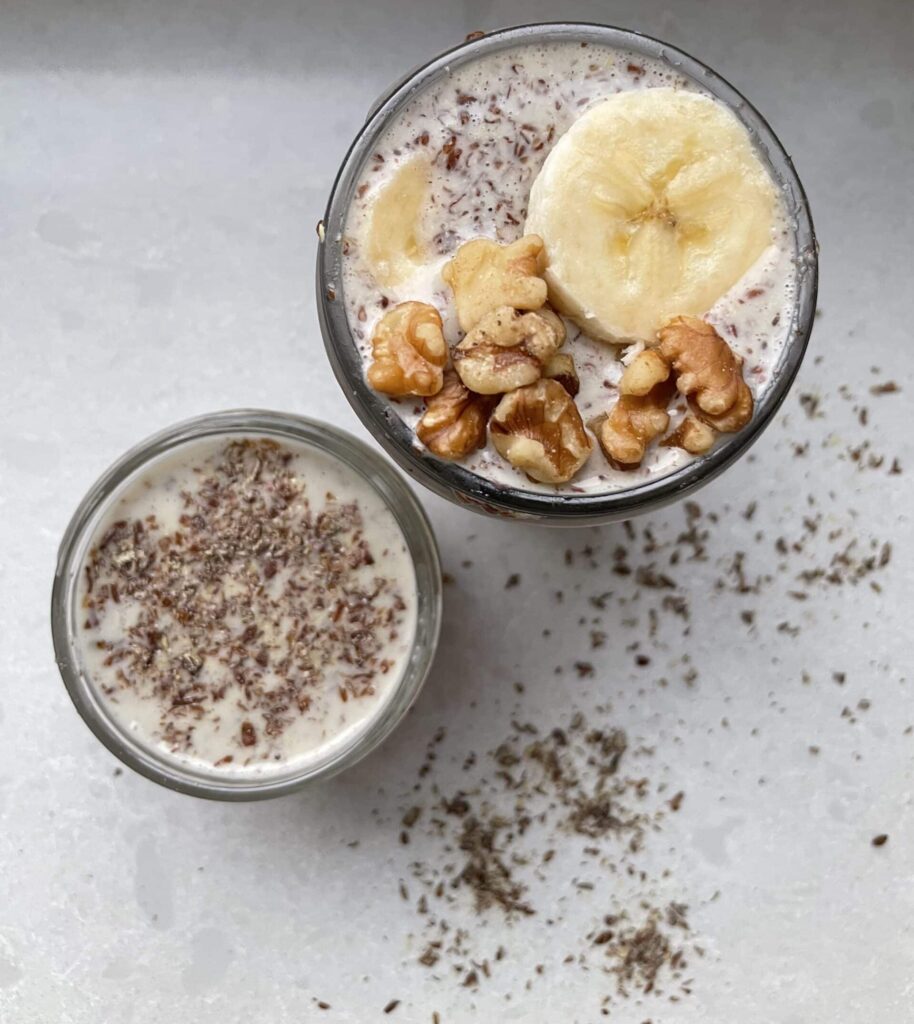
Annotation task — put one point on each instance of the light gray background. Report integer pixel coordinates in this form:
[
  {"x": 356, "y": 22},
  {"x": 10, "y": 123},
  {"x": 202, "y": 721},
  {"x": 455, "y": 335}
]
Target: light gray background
[{"x": 162, "y": 170}]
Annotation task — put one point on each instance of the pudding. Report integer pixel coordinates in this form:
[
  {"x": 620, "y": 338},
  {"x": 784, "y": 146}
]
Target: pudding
[
  {"x": 246, "y": 607},
  {"x": 496, "y": 151}
]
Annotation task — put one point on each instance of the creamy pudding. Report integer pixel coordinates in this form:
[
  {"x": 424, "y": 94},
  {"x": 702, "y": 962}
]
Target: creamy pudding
[
  {"x": 460, "y": 162},
  {"x": 246, "y": 606}
]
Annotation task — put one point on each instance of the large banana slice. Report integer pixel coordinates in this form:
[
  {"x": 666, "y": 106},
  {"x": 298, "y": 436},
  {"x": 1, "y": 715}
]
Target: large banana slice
[
  {"x": 395, "y": 242},
  {"x": 652, "y": 205}
]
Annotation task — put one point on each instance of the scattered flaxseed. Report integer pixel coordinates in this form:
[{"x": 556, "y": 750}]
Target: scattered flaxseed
[
  {"x": 548, "y": 799},
  {"x": 810, "y": 405},
  {"x": 430, "y": 955},
  {"x": 566, "y": 781},
  {"x": 485, "y": 872},
  {"x": 639, "y": 955},
  {"x": 411, "y": 817}
]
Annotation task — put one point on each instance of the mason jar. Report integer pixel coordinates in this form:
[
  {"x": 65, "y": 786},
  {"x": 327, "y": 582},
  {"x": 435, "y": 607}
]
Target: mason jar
[{"x": 152, "y": 759}]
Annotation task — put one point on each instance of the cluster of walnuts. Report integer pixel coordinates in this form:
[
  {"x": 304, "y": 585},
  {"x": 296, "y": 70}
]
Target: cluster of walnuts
[
  {"x": 509, "y": 374},
  {"x": 690, "y": 357}
]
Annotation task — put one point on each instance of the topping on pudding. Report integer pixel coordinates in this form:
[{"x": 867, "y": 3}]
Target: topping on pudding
[
  {"x": 643, "y": 373},
  {"x": 410, "y": 352},
  {"x": 652, "y": 204},
  {"x": 454, "y": 421},
  {"x": 395, "y": 240},
  {"x": 508, "y": 349},
  {"x": 485, "y": 276},
  {"x": 691, "y": 436},
  {"x": 640, "y": 414},
  {"x": 707, "y": 372},
  {"x": 561, "y": 368},
  {"x": 704, "y": 369},
  {"x": 538, "y": 429}
]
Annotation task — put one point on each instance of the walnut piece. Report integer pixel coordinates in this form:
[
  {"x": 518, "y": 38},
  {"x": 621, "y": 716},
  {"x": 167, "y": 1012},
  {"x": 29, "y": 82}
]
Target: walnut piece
[
  {"x": 561, "y": 368},
  {"x": 485, "y": 275},
  {"x": 409, "y": 351},
  {"x": 736, "y": 417},
  {"x": 454, "y": 421},
  {"x": 633, "y": 422},
  {"x": 707, "y": 370},
  {"x": 507, "y": 349},
  {"x": 692, "y": 435},
  {"x": 647, "y": 369},
  {"x": 539, "y": 430}
]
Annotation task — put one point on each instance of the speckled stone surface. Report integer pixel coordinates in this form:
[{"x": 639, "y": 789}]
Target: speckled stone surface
[{"x": 163, "y": 170}]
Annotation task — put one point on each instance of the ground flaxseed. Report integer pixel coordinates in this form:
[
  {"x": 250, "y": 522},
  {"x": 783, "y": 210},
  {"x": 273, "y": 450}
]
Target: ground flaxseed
[{"x": 566, "y": 785}]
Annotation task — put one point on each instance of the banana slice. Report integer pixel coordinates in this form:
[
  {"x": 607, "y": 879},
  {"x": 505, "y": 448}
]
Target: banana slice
[
  {"x": 652, "y": 205},
  {"x": 395, "y": 242}
]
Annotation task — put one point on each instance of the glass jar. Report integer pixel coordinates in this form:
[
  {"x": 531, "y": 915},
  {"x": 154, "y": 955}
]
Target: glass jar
[
  {"x": 453, "y": 481},
  {"x": 157, "y": 764}
]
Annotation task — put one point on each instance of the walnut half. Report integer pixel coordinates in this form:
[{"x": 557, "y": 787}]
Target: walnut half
[
  {"x": 707, "y": 370},
  {"x": 409, "y": 351},
  {"x": 539, "y": 430},
  {"x": 454, "y": 421},
  {"x": 485, "y": 275},
  {"x": 507, "y": 349},
  {"x": 633, "y": 422}
]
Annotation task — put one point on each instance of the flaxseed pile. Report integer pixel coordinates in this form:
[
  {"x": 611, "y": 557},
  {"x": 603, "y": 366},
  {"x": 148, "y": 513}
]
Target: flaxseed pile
[{"x": 503, "y": 846}]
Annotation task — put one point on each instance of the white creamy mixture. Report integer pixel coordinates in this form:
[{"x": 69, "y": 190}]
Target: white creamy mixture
[
  {"x": 487, "y": 129},
  {"x": 207, "y": 657}
]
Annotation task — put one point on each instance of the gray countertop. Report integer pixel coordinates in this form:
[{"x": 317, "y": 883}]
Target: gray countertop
[{"x": 163, "y": 169}]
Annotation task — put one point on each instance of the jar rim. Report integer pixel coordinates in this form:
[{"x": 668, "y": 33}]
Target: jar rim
[
  {"x": 451, "y": 480},
  {"x": 334, "y": 443}
]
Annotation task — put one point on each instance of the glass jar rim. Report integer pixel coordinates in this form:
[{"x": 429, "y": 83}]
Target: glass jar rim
[
  {"x": 337, "y": 444},
  {"x": 453, "y": 481}
]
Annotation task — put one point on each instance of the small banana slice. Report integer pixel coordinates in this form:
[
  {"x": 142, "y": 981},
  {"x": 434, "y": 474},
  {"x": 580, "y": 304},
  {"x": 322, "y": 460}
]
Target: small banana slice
[
  {"x": 395, "y": 242},
  {"x": 652, "y": 205}
]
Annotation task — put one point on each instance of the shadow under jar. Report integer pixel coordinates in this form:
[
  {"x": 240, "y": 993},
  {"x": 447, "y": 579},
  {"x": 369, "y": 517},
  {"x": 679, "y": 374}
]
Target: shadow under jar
[
  {"x": 428, "y": 111},
  {"x": 246, "y": 602}
]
